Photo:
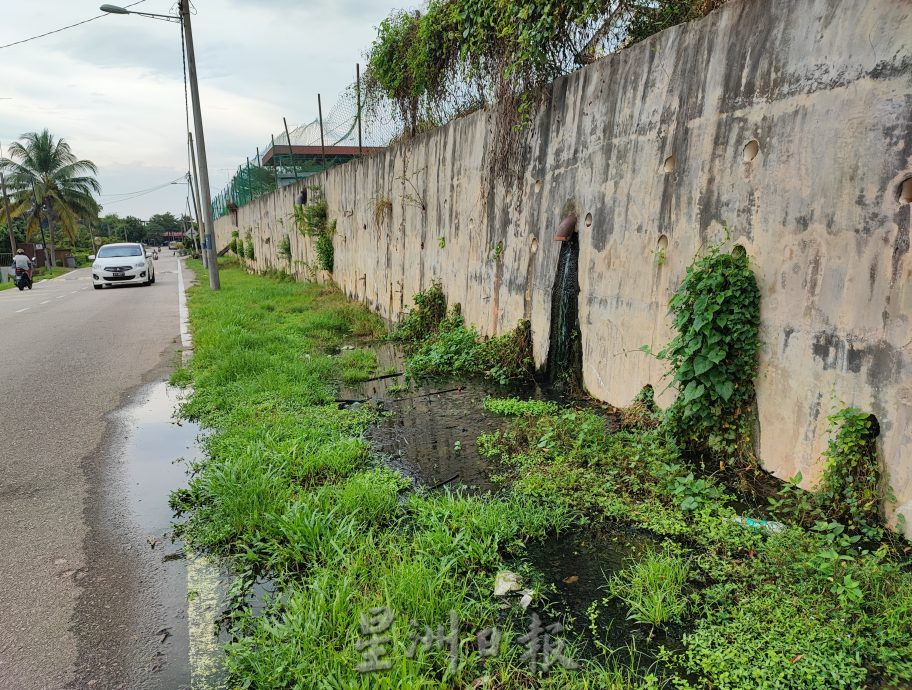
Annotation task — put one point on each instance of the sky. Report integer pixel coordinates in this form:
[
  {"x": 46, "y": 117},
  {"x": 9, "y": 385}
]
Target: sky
[{"x": 113, "y": 88}]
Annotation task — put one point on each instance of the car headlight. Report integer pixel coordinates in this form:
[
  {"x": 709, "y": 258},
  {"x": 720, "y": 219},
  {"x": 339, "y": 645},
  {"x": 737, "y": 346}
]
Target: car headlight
[{"x": 141, "y": 264}]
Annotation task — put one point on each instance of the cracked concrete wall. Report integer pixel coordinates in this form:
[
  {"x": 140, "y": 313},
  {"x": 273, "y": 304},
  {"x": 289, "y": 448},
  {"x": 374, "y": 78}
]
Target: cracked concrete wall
[{"x": 824, "y": 88}]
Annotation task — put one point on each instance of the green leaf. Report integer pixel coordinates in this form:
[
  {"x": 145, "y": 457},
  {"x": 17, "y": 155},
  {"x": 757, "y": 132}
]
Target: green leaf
[
  {"x": 701, "y": 365},
  {"x": 725, "y": 389}
]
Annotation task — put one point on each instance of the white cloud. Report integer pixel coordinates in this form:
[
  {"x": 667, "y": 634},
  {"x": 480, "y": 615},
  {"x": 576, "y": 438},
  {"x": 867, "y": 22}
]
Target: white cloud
[{"x": 113, "y": 87}]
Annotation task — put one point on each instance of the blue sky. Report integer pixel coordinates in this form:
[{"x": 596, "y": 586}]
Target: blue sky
[{"x": 113, "y": 87}]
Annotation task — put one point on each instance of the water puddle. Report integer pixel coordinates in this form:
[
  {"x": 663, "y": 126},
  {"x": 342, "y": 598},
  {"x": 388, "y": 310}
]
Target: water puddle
[
  {"x": 575, "y": 569},
  {"x": 429, "y": 432},
  {"x": 189, "y": 591}
]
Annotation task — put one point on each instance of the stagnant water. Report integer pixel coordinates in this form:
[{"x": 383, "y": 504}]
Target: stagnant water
[
  {"x": 431, "y": 435},
  {"x": 155, "y": 456}
]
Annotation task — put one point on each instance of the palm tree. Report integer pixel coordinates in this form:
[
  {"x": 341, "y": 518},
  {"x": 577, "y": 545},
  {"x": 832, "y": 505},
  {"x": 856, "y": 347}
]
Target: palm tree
[{"x": 46, "y": 178}]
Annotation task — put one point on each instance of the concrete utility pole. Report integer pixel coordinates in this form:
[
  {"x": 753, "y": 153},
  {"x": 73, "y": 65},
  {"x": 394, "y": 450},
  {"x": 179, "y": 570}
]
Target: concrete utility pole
[
  {"x": 205, "y": 194},
  {"x": 194, "y": 192}
]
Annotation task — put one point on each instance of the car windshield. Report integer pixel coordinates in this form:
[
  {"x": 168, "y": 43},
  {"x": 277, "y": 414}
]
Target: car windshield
[{"x": 111, "y": 252}]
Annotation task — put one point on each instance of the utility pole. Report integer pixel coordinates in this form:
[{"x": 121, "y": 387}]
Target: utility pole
[
  {"x": 194, "y": 175},
  {"x": 205, "y": 194}
]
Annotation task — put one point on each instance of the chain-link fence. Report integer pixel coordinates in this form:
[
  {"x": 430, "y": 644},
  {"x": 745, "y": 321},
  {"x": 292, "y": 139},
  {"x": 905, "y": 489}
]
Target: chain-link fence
[{"x": 350, "y": 128}]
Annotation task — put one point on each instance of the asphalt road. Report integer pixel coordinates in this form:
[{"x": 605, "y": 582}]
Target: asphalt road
[{"x": 76, "y": 606}]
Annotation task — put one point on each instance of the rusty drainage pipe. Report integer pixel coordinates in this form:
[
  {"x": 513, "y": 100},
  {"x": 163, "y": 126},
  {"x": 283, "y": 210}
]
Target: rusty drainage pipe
[{"x": 566, "y": 228}]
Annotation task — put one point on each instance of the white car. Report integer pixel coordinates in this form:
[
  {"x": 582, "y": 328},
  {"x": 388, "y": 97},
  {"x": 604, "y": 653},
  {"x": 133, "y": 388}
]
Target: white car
[{"x": 126, "y": 263}]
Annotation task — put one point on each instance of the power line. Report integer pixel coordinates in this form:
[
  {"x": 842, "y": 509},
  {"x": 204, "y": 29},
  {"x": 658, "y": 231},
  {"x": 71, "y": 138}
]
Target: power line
[{"x": 63, "y": 28}]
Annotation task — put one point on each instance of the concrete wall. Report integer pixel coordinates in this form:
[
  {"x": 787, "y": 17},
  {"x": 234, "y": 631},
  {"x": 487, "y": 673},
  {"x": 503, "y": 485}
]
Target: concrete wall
[{"x": 823, "y": 86}]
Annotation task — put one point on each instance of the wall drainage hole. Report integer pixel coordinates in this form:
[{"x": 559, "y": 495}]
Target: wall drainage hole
[
  {"x": 588, "y": 220},
  {"x": 905, "y": 190},
  {"x": 738, "y": 251},
  {"x": 751, "y": 149},
  {"x": 669, "y": 165}
]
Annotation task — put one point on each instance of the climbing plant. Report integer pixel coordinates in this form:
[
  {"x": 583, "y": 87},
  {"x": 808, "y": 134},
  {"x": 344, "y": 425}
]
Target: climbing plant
[
  {"x": 248, "y": 247},
  {"x": 325, "y": 250},
  {"x": 455, "y": 56},
  {"x": 850, "y": 487},
  {"x": 312, "y": 220},
  {"x": 713, "y": 358}
]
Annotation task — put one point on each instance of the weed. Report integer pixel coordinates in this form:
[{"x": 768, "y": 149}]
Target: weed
[
  {"x": 383, "y": 208},
  {"x": 423, "y": 319},
  {"x": 652, "y": 587},
  {"x": 284, "y": 248},
  {"x": 514, "y": 407},
  {"x": 850, "y": 486}
]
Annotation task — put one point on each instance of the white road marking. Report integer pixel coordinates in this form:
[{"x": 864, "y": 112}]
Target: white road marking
[
  {"x": 75, "y": 291},
  {"x": 45, "y": 302},
  {"x": 19, "y": 311},
  {"x": 61, "y": 296}
]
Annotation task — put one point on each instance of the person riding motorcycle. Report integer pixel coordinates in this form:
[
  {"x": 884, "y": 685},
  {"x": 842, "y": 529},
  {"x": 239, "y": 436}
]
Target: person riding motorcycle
[{"x": 20, "y": 260}]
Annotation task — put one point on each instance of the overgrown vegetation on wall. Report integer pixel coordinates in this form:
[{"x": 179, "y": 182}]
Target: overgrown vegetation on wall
[
  {"x": 313, "y": 221},
  {"x": 713, "y": 358},
  {"x": 459, "y": 55}
]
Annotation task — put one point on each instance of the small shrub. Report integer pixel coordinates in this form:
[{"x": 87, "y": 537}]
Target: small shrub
[
  {"x": 248, "y": 247},
  {"x": 423, "y": 319},
  {"x": 325, "y": 250}
]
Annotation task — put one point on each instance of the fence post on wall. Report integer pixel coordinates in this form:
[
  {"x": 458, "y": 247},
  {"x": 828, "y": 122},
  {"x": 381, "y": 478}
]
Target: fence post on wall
[
  {"x": 322, "y": 146},
  {"x": 275, "y": 161},
  {"x": 249, "y": 181},
  {"x": 358, "y": 92},
  {"x": 290, "y": 152}
]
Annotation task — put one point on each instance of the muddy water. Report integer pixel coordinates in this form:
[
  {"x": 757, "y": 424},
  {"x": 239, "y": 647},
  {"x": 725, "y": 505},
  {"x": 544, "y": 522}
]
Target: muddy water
[
  {"x": 576, "y": 568},
  {"x": 430, "y": 432}
]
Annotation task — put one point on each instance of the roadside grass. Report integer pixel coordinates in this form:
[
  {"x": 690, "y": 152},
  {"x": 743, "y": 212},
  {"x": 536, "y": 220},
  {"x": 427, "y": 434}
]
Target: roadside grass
[
  {"x": 784, "y": 608},
  {"x": 289, "y": 492}
]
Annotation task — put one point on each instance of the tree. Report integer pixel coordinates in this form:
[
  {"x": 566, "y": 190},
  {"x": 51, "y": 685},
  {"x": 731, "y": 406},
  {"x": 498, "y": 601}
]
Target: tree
[{"x": 48, "y": 181}]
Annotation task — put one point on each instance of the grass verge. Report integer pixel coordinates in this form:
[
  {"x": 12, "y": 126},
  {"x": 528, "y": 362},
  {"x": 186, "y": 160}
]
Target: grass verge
[{"x": 289, "y": 492}]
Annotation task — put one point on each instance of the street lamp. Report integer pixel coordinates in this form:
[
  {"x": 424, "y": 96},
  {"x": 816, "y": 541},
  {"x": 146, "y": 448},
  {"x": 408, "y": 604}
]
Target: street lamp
[{"x": 206, "y": 200}]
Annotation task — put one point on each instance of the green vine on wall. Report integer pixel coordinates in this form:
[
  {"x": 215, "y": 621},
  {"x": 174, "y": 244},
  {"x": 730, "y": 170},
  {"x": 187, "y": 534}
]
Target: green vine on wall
[
  {"x": 456, "y": 56},
  {"x": 248, "y": 247},
  {"x": 312, "y": 220},
  {"x": 713, "y": 359},
  {"x": 284, "y": 249},
  {"x": 851, "y": 483}
]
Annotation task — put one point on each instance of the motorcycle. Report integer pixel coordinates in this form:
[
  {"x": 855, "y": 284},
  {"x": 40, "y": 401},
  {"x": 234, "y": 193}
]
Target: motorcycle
[{"x": 22, "y": 279}]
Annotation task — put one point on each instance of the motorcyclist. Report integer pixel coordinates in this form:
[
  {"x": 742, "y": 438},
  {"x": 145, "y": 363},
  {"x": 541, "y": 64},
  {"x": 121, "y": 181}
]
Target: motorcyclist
[{"x": 20, "y": 260}]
